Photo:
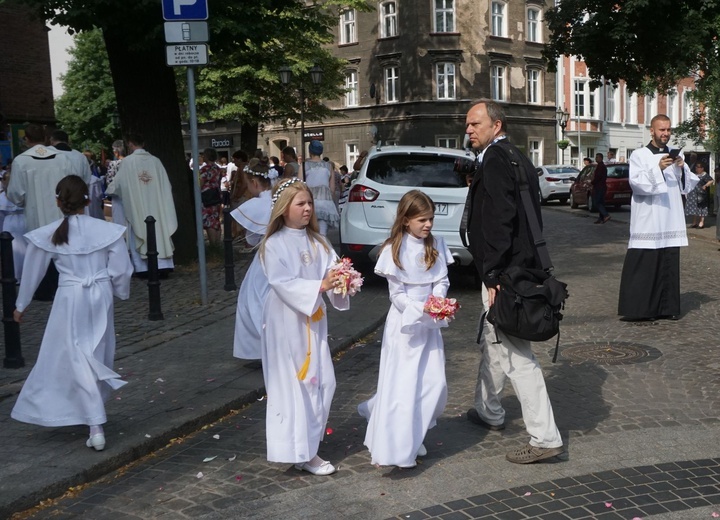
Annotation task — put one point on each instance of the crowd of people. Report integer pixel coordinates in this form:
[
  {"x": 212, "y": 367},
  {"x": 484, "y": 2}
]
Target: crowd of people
[{"x": 284, "y": 210}]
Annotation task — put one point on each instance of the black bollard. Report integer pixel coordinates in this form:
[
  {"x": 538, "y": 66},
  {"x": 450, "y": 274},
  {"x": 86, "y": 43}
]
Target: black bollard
[
  {"x": 13, "y": 352},
  {"x": 229, "y": 255},
  {"x": 155, "y": 313}
]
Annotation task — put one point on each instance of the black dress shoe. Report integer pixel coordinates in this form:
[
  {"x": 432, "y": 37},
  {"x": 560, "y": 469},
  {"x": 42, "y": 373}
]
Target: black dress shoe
[
  {"x": 631, "y": 319},
  {"x": 474, "y": 417},
  {"x": 672, "y": 317}
]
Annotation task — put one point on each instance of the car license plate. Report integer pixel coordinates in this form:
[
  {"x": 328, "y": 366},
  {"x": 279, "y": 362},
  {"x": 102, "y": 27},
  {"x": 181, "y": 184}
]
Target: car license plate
[
  {"x": 441, "y": 208},
  {"x": 567, "y": 181},
  {"x": 621, "y": 196}
]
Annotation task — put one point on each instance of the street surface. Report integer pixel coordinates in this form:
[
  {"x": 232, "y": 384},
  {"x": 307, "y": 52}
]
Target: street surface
[{"x": 637, "y": 405}]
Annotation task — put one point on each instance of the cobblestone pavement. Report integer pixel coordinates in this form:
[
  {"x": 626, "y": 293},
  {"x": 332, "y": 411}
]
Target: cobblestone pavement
[{"x": 637, "y": 406}]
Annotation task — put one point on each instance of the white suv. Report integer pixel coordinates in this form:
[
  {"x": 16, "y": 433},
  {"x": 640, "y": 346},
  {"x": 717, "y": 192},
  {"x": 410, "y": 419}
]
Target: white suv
[{"x": 386, "y": 175}]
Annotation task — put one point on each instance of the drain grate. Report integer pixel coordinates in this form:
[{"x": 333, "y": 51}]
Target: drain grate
[{"x": 609, "y": 353}]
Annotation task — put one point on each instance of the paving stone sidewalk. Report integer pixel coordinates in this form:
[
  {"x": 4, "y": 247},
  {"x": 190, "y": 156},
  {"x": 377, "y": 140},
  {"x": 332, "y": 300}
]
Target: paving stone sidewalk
[{"x": 639, "y": 414}]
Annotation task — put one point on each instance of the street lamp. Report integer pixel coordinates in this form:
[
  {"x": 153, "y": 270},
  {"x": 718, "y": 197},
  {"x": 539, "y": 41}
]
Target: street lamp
[
  {"x": 316, "y": 75},
  {"x": 561, "y": 116}
]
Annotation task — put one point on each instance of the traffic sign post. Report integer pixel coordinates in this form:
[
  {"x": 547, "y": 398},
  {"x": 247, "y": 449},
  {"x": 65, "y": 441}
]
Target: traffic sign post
[
  {"x": 190, "y": 51},
  {"x": 185, "y": 9}
]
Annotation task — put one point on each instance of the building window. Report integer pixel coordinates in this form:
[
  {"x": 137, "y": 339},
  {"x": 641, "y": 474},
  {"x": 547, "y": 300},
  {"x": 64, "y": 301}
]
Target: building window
[
  {"x": 445, "y": 79},
  {"x": 672, "y": 107},
  {"x": 535, "y": 151},
  {"x": 388, "y": 20},
  {"x": 351, "y": 88},
  {"x": 498, "y": 80},
  {"x": 585, "y": 99},
  {"x": 447, "y": 142},
  {"x": 392, "y": 84},
  {"x": 533, "y": 25},
  {"x": 348, "y": 33},
  {"x": 352, "y": 153},
  {"x": 497, "y": 19},
  {"x": 611, "y": 111},
  {"x": 650, "y": 108},
  {"x": 630, "y": 107},
  {"x": 534, "y": 95},
  {"x": 444, "y": 16},
  {"x": 687, "y": 106}
]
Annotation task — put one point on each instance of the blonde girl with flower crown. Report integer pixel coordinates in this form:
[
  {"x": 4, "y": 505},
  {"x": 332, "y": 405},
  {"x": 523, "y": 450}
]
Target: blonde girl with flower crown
[
  {"x": 297, "y": 367},
  {"x": 411, "y": 391}
]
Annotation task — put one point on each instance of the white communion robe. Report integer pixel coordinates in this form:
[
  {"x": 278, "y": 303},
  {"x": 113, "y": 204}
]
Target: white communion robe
[
  {"x": 412, "y": 390},
  {"x": 35, "y": 174},
  {"x": 13, "y": 221},
  {"x": 254, "y": 216},
  {"x": 73, "y": 374},
  {"x": 657, "y": 217},
  {"x": 143, "y": 187},
  {"x": 297, "y": 411}
]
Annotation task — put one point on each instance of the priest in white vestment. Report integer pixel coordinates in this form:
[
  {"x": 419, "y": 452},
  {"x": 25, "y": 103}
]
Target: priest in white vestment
[
  {"x": 650, "y": 282},
  {"x": 142, "y": 186}
]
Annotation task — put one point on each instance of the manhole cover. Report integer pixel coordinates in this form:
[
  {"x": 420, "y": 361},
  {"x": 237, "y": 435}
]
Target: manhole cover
[{"x": 610, "y": 353}]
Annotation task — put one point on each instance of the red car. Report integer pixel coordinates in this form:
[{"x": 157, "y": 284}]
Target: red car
[{"x": 618, "y": 187}]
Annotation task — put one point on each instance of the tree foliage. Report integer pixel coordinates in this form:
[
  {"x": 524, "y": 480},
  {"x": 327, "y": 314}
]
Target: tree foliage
[{"x": 86, "y": 106}]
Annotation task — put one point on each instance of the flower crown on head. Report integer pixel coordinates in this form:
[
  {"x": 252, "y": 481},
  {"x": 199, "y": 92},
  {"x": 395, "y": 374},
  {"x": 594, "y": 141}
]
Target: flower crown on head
[
  {"x": 282, "y": 187},
  {"x": 270, "y": 174}
]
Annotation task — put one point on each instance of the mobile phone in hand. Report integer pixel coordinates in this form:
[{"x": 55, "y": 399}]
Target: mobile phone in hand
[{"x": 674, "y": 153}]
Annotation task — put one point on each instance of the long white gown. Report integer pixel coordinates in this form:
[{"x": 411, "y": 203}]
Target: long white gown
[
  {"x": 412, "y": 391},
  {"x": 297, "y": 411},
  {"x": 73, "y": 374},
  {"x": 254, "y": 216},
  {"x": 13, "y": 221}
]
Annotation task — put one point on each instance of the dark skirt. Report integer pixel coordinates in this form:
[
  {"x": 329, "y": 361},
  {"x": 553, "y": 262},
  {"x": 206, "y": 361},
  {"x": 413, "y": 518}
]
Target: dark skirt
[{"x": 650, "y": 283}]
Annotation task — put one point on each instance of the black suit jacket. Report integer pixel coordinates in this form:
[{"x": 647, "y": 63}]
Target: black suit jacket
[{"x": 498, "y": 237}]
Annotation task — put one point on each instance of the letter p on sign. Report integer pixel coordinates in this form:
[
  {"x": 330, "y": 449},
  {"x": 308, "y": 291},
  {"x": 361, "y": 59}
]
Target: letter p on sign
[{"x": 177, "y": 5}]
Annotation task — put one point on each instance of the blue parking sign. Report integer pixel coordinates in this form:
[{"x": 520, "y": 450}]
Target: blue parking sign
[{"x": 185, "y": 9}]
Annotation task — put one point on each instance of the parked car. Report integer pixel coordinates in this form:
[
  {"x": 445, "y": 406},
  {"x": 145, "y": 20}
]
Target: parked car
[
  {"x": 555, "y": 181},
  {"x": 386, "y": 175},
  {"x": 618, "y": 192}
]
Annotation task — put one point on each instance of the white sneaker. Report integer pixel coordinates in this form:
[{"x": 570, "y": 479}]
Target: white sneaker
[
  {"x": 422, "y": 451},
  {"x": 96, "y": 441}
]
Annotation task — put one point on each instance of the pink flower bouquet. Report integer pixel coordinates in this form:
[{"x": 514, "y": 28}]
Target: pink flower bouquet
[
  {"x": 350, "y": 280},
  {"x": 440, "y": 308}
]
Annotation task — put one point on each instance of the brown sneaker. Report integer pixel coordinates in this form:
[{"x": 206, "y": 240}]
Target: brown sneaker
[{"x": 529, "y": 454}]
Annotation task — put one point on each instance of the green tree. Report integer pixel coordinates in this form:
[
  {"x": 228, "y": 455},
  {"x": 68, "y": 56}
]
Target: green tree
[{"x": 85, "y": 109}]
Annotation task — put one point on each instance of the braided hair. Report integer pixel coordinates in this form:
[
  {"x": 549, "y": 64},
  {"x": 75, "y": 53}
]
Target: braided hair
[{"x": 72, "y": 195}]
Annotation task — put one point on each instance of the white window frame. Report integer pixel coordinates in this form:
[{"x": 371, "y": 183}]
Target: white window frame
[
  {"x": 352, "y": 89},
  {"x": 388, "y": 19},
  {"x": 445, "y": 84},
  {"x": 446, "y": 141},
  {"x": 586, "y": 98},
  {"x": 687, "y": 106},
  {"x": 534, "y": 27},
  {"x": 348, "y": 27},
  {"x": 650, "y": 108},
  {"x": 534, "y": 86},
  {"x": 352, "y": 153},
  {"x": 498, "y": 81},
  {"x": 672, "y": 107},
  {"x": 498, "y": 18},
  {"x": 612, "y": 112},
  {"x": 391, "y": 76},
  {"x": 630, "y": 107},
  {"x": 535, "y": 153},
  {"x": 444, "y": 19}
]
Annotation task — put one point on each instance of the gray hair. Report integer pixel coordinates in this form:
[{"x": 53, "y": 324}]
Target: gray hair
[{"x": 494, "y": 111}]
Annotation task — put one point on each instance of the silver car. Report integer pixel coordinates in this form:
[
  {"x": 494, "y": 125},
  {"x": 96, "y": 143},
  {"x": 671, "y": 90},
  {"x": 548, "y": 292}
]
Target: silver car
[
  {"x": 555, "y": 181},
  {"x": 386, "y": 175}
]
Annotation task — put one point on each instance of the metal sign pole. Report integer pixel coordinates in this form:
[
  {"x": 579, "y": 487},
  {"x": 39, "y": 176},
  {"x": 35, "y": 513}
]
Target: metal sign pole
[{"x": 196, "y": 184}]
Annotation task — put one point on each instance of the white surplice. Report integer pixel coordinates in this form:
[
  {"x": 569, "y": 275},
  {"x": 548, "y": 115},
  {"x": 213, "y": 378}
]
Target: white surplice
[
  {"x": 412, "y": 390},
  {"x": 657, "y": 217},
  {"x": 73, "y": 374},
  {"x": 254, "y": 216},
  {"x": 142, "y": 185},
  {"x": 297, "y": 411},
  {"x": 35, "y": 174},
  {"x": 13, "y": 221}
]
